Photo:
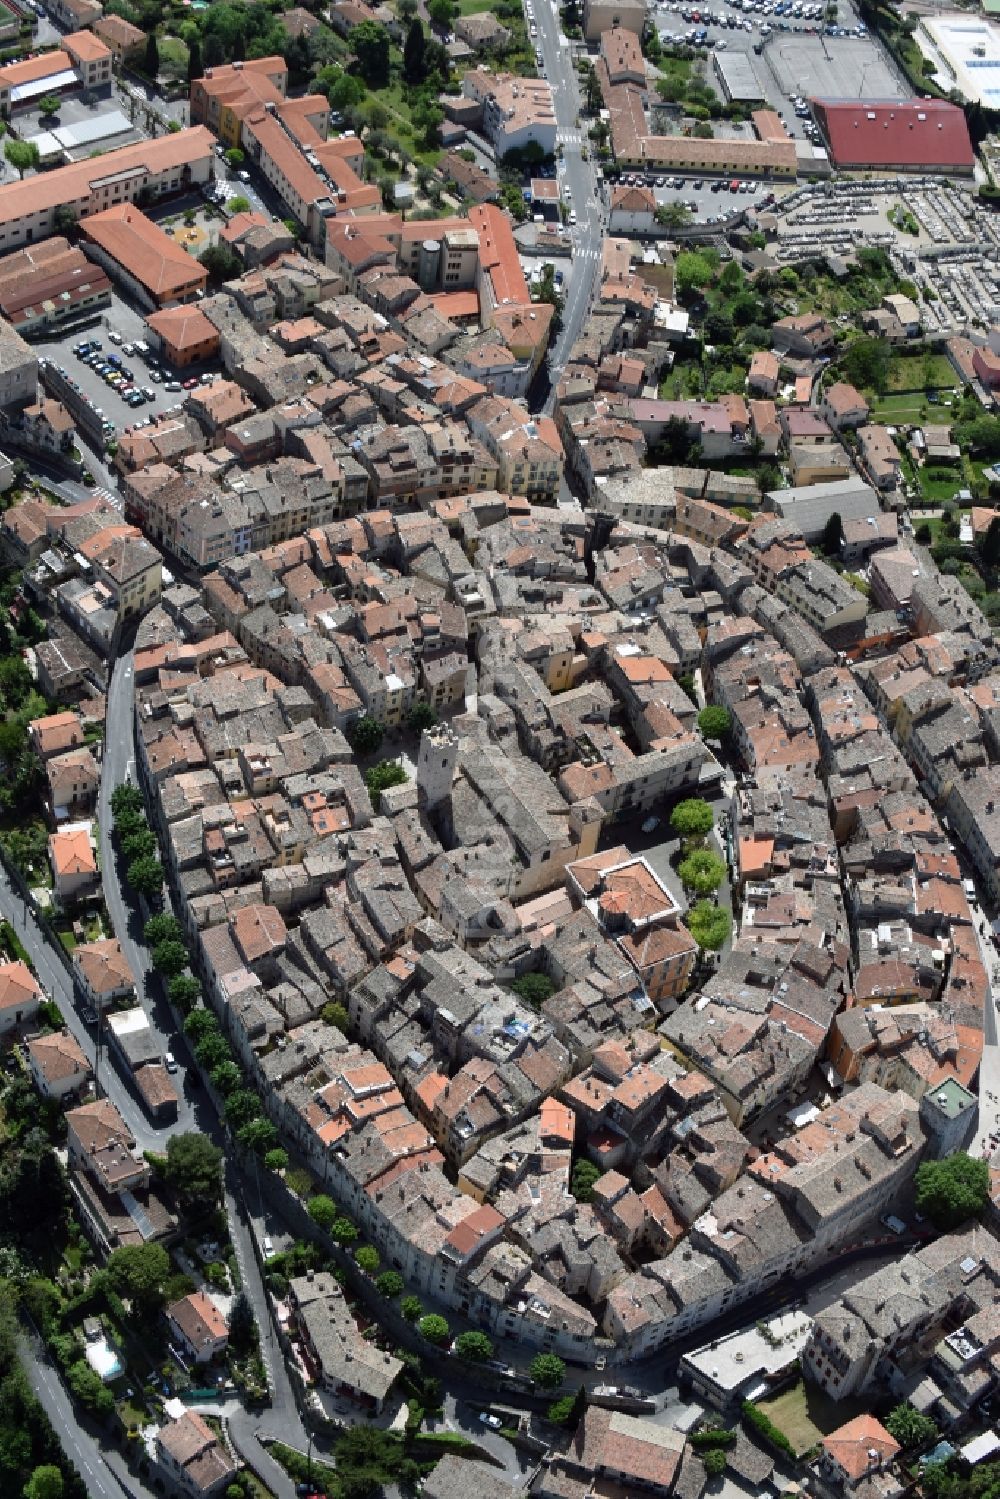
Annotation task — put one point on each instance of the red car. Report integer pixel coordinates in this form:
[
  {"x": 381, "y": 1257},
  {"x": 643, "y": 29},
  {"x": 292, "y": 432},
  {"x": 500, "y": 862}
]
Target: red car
[{"x": 190, "y": 384}]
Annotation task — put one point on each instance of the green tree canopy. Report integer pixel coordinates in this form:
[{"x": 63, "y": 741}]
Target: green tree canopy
[
  {"x": 421, "y": 716},
  {"x": 145, "y": 876},
  {"x": 866, "y": 363},
  {"x": 323, "y": 1211},
  {"x": 435, "y": 1329},
  {"x": 151, "y": 60},
  {"x": 49, "y": 106},
  {"x": 952, "y": 1190},
  {"x": 365, "y": 733},
  {"x": 909, "y": 1428},
  {"x": 692, "y": 270},
  {"x": 193, "y": 1168},
  {"x": 380, "y": 777},
  {"x": 221, "y": 263},
  {"x": 367, "y": 1258},
  {"x": 702, "y": 871},
  {"x": 411, "y": 1308},
  {"x": 582, "y": 1180},
  {"x": 692, "y": 818},
  {"x": 833, "y": 535},
  {"x": 475, "y": 1346},
  {"x": 389, "y": 1284},
  {"x": 413, "y": 54},
  {"x": 534, "y": 989},
  {"x": 714, "y": 723},
  {"x": 184, "y": 991},
  {"x": 334, "y": 1013},
  {"x": 170, "y": 958},
  {"x": 547, "y": 1370},
  {"x": 199, "y": 1023},
  {"x": 370, "y": 44},
  {"x": 243, "y": 1336},
  {"x": 242, "y": 1106},
  {"x": 714, "y": 1460},
  {"x": 46, "y": 1482},
  {"x": 21, "y": 155},
  {"x": 138, "y": 1271},
  {"x": 708, "y": 924}
]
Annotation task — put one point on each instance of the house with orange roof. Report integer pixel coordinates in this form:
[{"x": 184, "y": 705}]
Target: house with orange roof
[
  {"x": 103, "y": 972},
  {"x": 73, "y": 857},
  {"x": 199, "y": 1326},
  {"x": 57, "y": 1065},
  {"x": 55, "y": 734},
  {"x": 184, "y": 335},
  {"x": 20, "y": 996},
  {"x": 861, "y": 1452},
  {"x": 140, "y": 255}
]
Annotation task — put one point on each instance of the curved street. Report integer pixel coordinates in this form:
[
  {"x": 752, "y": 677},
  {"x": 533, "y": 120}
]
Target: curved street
[{"x": 194, "y": 1112}]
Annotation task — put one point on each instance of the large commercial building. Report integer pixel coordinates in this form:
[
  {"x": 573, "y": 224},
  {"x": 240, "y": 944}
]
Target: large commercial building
[
  {"x": 151, "y": 265},
  {"x": 517, "y": 112},
  {"x": 49, "y": 285},
  {"x": 28, "y": 209},
  {"x": 898, "y": 135}
]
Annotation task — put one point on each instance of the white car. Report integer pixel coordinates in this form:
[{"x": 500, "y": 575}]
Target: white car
[
  {"x": 572, "y": 215},
  {"x": 267, "y": 1247},
  {"x": 169, "y": 1061},
  {"x": 489, "y": 1420}
]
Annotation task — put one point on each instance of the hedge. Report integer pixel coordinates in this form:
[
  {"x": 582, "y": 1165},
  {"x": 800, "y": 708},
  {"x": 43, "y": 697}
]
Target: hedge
[{"x": 755, "y": 1418}]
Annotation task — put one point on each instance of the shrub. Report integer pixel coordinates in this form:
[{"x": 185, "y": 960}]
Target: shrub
[
  {"x": 764, "y": 1427},
  {"x": 547, "y": 1370}
]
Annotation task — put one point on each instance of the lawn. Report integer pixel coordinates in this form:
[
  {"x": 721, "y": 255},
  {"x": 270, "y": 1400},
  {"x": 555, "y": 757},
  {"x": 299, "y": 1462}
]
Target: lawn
[
  {"x": 473, "y": 7},
  {"x": 805, "y": 1414},
  {"x": 900, "y": 410},
  {"x": 920, "y": 372}
]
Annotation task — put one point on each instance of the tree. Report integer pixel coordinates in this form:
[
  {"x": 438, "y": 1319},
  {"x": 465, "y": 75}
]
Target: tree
[
  {"x": 344, "y": 1231},
  {"x": 151, "y": 60},
  {"x": 199, "y": 1023},
  {"x": 990, "y": 549},
  {"x": 715, "y": 1461},
  {"x": 708, "y": 924},
  {"x": 170, "y": 958},
  {"x": 411, "y": 1308},
  {"x": 86, "y": 1386},
  {"x": 145, "y": 875},
  {"x": 334, "y": 1013},
  {"x": 49, "y": 106},
  {"x": 421, "y": 716},
  {"x": 21, "y": 154},
  {"x": 413, "y": 54},
  {"x": 126, "y": 798},
  {"x": 833, "y": 535},
  {"x": 585, "y": 1174},
  {"x": 692, "y": 818},
  {"x": 692, "y": 270},
  {"x": 442, "y": 13},
  {"x": 475, "y": 1346},
  {"x": 367, "y": 1259},
  {"x": 380, "y": 777},
  {"x": 714, "y": 723},
  {"x": 242, "y": 1326},
  {"x": 184, "y": 991},
  {"x": 389, "y": 1284},
  {"x": 212, "y": 1051},
  {"x": 226, "y": 1077},
  {"x": 276, "y": 1160},
  {"x": 365, "y": 733},
  {"x": 195, "y": 67},
  {"x": 239, "y": 204},
  {"x": 46, "y": 1482},
  {"x": 221, "y": 263},
  {"x": 241, "y": 1107},
  {"x": 909, "y": 1428},
  {"x": 925, "y": 535},
  {"x": 138, "y": 1271},
  {"x": 323, "y": 1212},
  {"x": 673, "y": 215},
  {"x": 534, "y": 989},
  {"x": 235, "y": 158},
  {"x": 141, "y": 844},
  {"x": 547, "y": 1370},
  {"x": 952, "y": 1190},
  {"x": 702, "y": 871},
  {"x": 560, "y": 1412},
  {"x": 370, "y": 43},
  {"x": 193, "y": 1168},
  {"x": 866, "y": 363},
  {"x": 258, "y": 1135},
  {"x": 434, "y": 1329}
]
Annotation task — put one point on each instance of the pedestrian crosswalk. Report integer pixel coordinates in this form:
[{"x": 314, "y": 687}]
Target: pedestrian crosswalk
[{"x": 570, "y": 137}]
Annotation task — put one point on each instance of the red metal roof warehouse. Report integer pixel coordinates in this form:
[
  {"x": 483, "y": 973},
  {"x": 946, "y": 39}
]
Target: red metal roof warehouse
[{"x": 915, "y": 135}]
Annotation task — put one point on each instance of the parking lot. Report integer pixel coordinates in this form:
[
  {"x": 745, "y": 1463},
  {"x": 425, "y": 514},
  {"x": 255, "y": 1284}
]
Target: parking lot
[
  {"x": 829, "y": 68},
  {"x": 122, "y": 320}
]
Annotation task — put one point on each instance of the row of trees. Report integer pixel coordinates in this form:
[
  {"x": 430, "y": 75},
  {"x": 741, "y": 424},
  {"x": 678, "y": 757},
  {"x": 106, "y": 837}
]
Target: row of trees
[
  {"x": 243, "y": 1109},
  {"x": 137, "y": 842}
]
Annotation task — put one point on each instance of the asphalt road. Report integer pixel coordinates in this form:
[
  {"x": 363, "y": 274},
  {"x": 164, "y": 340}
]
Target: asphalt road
[
  {"x": 80, "y": 1447},
  {"x": 577, "y": 180},
  {"x": 194, "y": 1113}
]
